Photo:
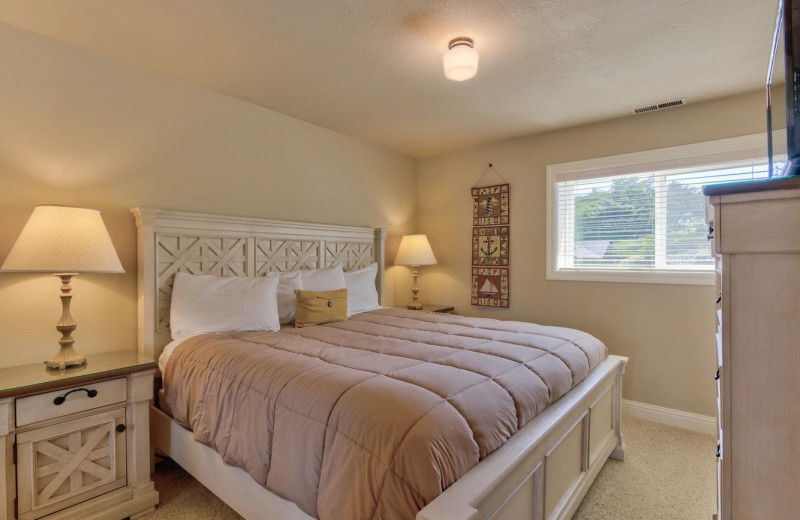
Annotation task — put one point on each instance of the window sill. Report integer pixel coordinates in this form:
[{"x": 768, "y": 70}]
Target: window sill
[{"x": 656, "y": 277}]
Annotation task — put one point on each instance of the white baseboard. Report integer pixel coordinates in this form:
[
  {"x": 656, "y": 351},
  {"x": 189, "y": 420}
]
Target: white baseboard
[{"x": 686, "y": 420}]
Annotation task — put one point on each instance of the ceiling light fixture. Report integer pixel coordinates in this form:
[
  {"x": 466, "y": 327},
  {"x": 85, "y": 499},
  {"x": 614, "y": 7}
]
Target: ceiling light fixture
[{"x": 461, "y": 59}]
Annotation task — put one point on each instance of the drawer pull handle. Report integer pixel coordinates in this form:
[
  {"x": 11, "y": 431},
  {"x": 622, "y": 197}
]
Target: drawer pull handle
[
  {"x": 61, "y": 398},
  {"x": 121, "y": 428},
  {"x": 710, "y": 235},
  {"x": 716, "y": 376},
  {"x": 719, "y": 297}
]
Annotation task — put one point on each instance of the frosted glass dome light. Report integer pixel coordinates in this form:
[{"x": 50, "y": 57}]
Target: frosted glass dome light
[{"x": 461, "y": 60}]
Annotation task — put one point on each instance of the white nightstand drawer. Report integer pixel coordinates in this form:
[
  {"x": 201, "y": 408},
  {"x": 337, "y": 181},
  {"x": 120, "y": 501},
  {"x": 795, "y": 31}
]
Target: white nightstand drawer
[{"x": 41, "y": 407}]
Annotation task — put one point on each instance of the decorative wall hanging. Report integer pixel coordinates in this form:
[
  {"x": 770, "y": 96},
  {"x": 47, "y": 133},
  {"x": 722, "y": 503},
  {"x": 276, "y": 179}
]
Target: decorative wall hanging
[{"x": 490, "y": 243}]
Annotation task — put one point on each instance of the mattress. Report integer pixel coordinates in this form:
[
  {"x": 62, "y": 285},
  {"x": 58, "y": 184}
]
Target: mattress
[{"x": 373, "y": 417}]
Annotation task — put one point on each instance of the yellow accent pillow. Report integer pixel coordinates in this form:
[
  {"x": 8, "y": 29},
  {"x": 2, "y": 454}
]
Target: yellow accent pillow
[{"x": 318, "y": 307}]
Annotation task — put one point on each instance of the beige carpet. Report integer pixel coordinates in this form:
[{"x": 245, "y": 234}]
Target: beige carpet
[{"x": 668, "y": 474}]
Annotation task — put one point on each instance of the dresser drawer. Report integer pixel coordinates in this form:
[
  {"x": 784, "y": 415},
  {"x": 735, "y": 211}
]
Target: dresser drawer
[{"x": 41, "y": 407}]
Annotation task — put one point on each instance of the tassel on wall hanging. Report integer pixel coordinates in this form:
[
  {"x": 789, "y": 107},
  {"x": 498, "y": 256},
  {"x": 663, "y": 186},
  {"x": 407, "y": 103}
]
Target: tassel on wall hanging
[{"x": 491, "y": 221}]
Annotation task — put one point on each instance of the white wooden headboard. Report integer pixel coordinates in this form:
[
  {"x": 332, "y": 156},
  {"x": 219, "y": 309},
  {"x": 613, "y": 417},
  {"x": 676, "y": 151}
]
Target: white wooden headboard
[{"x": 198, "y": 243}]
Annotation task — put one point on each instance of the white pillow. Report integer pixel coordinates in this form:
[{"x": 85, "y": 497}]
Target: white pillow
[
  {"x": 323, "y": 279},
  {"x": 205, "y": 303},
  {"x": 287, "y": 302},
  {"x": 362, "y": 296}
]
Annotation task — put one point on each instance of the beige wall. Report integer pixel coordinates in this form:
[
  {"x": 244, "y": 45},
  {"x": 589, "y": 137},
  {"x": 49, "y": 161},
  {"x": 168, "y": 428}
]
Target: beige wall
[
  {"x": 666, "y": 330},
  {"x": 81, "y": 129}
]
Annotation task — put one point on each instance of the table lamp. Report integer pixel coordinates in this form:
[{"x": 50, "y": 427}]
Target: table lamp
[
  {"x": 64, "y": 241},
  {"x": 414, "y": 251}
]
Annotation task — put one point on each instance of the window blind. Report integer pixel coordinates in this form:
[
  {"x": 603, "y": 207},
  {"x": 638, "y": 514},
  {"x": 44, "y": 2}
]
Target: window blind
[{"x": 638, "y": 222}]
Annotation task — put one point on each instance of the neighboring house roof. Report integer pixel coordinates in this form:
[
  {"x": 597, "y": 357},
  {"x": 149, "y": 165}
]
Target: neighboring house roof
[{"x": 591, "y": 249}]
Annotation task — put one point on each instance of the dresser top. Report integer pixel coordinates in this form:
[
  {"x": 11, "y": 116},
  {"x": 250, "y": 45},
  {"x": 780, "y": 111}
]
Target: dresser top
[
  {"x": 35, "y": 377},
  {"x": 728, "y": 188}
]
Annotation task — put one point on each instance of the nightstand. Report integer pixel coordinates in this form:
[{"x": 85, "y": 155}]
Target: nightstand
[
  {"x": 75, "y": 444},
  {"x": 444, "y": 309}
]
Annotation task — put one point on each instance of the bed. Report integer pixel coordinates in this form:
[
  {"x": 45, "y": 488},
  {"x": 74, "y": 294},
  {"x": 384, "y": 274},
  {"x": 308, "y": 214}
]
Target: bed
[{"x": 541, "y": 472}]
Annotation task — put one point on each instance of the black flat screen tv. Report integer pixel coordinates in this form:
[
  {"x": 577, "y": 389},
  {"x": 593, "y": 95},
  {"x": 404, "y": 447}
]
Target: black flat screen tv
[{"x": 785, "y": 57}]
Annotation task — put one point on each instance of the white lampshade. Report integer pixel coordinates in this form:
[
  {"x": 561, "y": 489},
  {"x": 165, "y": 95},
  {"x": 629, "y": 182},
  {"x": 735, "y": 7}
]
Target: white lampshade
[
  {"x": 414, "y": 250},
  {"x": 63, "y": 239},
  {"x": 461, "y": 60}
]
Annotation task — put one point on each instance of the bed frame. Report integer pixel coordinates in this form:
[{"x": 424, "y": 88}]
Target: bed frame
[{"x": 542, "y": 472}]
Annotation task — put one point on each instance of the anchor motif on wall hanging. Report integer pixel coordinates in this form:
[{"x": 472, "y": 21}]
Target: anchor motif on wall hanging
[{"x": 489, "y": 251}]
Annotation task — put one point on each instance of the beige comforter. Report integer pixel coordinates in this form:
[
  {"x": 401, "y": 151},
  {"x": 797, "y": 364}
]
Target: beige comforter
[{"x": 371, "y": 418}]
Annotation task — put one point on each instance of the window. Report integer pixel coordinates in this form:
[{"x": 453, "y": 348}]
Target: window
[{"x": 642, "y": 217}]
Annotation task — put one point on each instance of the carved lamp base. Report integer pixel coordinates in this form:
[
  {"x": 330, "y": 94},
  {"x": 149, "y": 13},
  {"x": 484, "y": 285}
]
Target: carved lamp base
[
  {"x": 66, "y": 357},
  {"x": 415, "y": 305}
]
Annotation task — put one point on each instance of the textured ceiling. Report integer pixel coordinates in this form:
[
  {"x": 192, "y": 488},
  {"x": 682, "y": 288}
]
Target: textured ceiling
[{"x": 373, "y": 68}]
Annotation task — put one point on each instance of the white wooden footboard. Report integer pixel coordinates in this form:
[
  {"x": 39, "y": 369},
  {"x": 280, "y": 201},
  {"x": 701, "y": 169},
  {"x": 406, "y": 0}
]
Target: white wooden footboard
[{"x": 545, "y": 469}]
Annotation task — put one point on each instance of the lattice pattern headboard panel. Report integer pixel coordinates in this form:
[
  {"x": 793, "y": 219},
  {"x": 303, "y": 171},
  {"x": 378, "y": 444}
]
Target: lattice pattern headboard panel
[{"x": 172, "y": 241}]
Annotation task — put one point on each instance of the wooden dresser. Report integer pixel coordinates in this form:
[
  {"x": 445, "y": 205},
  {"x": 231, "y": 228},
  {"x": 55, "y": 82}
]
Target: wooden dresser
[{"x": 756, "y": 241}]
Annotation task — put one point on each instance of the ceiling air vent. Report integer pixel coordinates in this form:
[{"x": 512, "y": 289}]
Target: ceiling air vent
[{"x": 660, "y": 106}]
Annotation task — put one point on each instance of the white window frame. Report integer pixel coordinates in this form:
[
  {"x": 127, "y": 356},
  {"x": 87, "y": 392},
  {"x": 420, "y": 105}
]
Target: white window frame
[{"x": 745, "y": 148}]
